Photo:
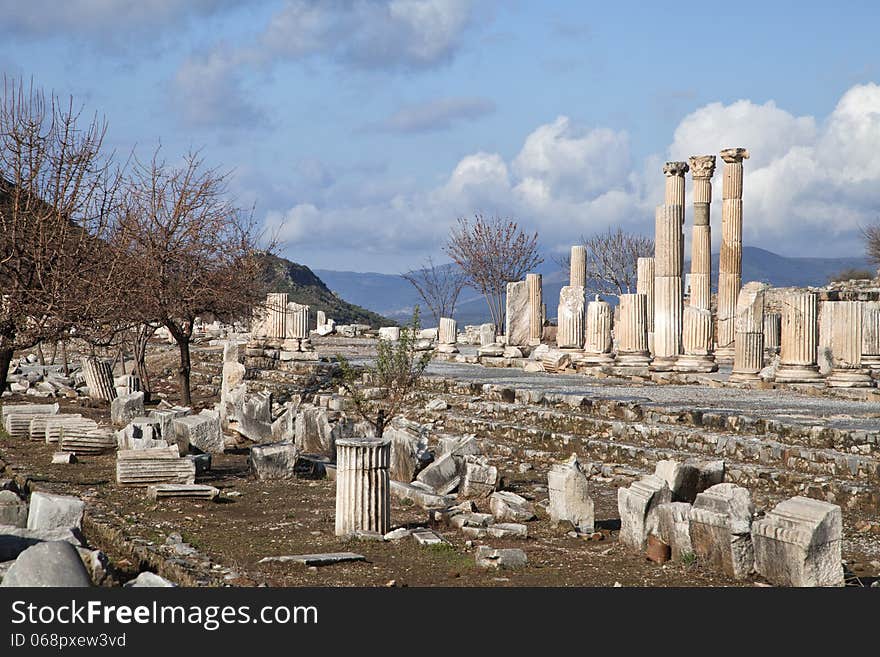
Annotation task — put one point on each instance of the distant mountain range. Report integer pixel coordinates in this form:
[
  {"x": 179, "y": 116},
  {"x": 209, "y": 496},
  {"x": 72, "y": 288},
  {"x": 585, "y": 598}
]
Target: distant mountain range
[{"x": 392, "y": 296}]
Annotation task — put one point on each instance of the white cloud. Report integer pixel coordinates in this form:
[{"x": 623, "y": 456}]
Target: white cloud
[
  {"x": 809, "y": 185},
  {"x": 438, "y": 114}
]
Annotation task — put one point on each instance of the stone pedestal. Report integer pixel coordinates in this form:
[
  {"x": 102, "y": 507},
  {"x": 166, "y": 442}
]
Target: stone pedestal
[
  {"x": 536, "y": 315},
  {"x": 800, "y": 339},
  {"x": 697, "y": 342},
  {"x": 798, "y": 544},
  {"x": 730, "y": 264},
  {"x": 871, "y": 335},
  {"x": 597, "y": 336},
  {"x": 749, "y": 344},
  {"x": 632, "y": 332},
  {"x": 363, "y": 494},
  {"x": 570, "y": 318},
  {"x": 577, "y": 276},
  {"x": 846, "y": 346}
]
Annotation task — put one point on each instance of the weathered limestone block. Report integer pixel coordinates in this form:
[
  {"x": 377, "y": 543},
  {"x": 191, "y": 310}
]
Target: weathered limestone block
[
  {"x": 510, "y": 507},
  {"x": 721, "y": 529},
  {"x": 57, "y": 424},
  {"x": 363, "y": 496},
  {"x": 99, "y": 379},
  {"x": 126, "y": 407},
  {"x": 274, "y": 461},
  {"x": 570, "y": 318},
  {"x": 27, "y": 409},
  {"x": 201, "y": 431},
  {"x": 51, "y": 563},
  {"x": 48, "y": 511},
  {"x": 798, "y": 543},
  {"x": 517, "y": 316},
  {"x": 479, "y": 479},
  {"x": 409, "y": 452},
  {"x": 389, "y": 333},
  {"x": 314, "y": 432},
  {"x": 570, "y": 499},
  {"x": 636, "y": 505},
  {"x": 555, "y": 361},
  {"x": 251, "y": 414},
  {"x": 488, "y": 557},
  {"x": 91, "y": 441},
  {"x": 687, "y": 480},
  {"x": 487, "y": 334},
  {"x": 443, "y": 475},
  {"x": 142, "y": 467},
  {"x": 672, "y": 521},
  {"x": 191, "y": 491},
  {"x": 13, "y": 509}
]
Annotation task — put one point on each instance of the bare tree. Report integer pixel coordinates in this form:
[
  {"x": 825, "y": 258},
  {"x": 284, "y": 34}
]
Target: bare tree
[
  {"x": 872, "y": 242},
  {"x": 58, "y": 203},
  {"x": 612, "y": 260},
  {"x": 191, "y": 249},
  {"x": 439, "y": 286},
  {"x": 491, "y": 253},
  {"x": 397, "y": 373}
]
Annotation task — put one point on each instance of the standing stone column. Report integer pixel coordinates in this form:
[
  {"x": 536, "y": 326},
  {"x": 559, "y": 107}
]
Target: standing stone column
[
  {"x": 748, "y": 357},
  {"x": 645, "y": 285},
  {"x": 800, "y": 339},
  {"x": 363, "y": 494},
  {"x": 730, "y": 265},
  {"x": 517, "y": 314},
  {"x": 772, "y": 332},
  {"x": 632, "y": 331},
  {"x": 577, "y": 276},
  {"x": 697, "y": 341},
  {"x": 296, "y": 322},
  {"x": 276, "y": 315},
  {"x": 668, "y": 269},
  {"x": 871, "y": 335},
  {"x": 536, "y": 318},
  {"x": 702, "y": 169},
  {"x": 846, "y": 346},
  {"x": 447, "y": 336},
  {"x": 99, "y": 378},
  {"x": 570, "y": 318},
  {"x": 597, "y": 338}
]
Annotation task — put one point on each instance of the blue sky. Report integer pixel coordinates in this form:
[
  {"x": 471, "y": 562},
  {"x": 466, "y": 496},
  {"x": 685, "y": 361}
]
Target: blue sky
[{"x": 361, "y": 130}]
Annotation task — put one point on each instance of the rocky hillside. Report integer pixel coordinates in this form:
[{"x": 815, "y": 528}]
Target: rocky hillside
[{"x": 303, "y": 286}]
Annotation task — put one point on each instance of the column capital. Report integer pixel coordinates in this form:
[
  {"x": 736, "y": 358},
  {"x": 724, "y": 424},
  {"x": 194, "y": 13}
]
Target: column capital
[
  {"x": 702, "y": 166},
  {"x": 675, "y": 168},
  {"x": 733, "y": 155}
]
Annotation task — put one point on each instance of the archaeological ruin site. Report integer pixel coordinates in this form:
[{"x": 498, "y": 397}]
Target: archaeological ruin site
[{"x": 703, "y": 430}]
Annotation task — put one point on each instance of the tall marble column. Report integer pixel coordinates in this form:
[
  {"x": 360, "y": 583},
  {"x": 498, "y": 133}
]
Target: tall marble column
[
  {"x": 363, "y": 493},
  {"x": 570, "y": 318},
  {"x": 846, "y": 346},
  {"x": 871, "y": 335},
  {"x": 577, "y": 275},
  {"x": 597, "y": 337},
  {"x": 702, "y": 169},
  {"x": 632, "y": 331},
  {"x": 645, "y": 285},
  {"x": 536, "y": 323},
  {"x": 730, "y": 265},
  {"x": 668, "y": 269},
  {"x": 748, "y": 358},
  {"x": 800, "y": 339},
  {"x": 772, "y": 332}
]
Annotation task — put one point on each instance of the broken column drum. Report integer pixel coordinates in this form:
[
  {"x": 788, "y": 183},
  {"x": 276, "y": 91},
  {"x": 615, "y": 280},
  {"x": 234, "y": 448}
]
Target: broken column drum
[
  {"x": 800, "y": 339},
  {"x": 448, "y": 333},
  {"x": 363, "y": 492},
  {"x": 536, "y": 316},
  {"x": 632, "y": 328},
  {"x": 276, "y": 315},
  {"x": 296, "y": 321},
  {"x": 871, "y": 335},
  {"x": 846, "y": 346},
  {"x": 99, "y": 378},
  {"x": 749, "y": 342},
  {"x": 597, "y": 336},
  {"x": 696, "y": 341},
  {"x": 645, "y": 285},
  {"x": 577, "y": 276},
  {"x": 730, "y": 263},
  {"x": 668, "y": 269}
]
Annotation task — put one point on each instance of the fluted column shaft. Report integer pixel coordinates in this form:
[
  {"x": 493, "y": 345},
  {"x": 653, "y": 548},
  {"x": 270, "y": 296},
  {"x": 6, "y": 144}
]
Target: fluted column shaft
[
  {"x": 632, "y": 325},
  {"x": 749, "y": 326},
  {"x": 448, "y": 331},
  {"x": 536, "y": 324},
  {"x": 597, "y": 338},
  {"x": 276, "y": 315},
  {"x": 363, "y": 495},
  {"x": 799, "y": 339},
  {"x": 296, "y": 322},
  {"x": 570, "y": 318},
  {"x": 702, "y": 169},
  {"x": 645, "y": 285},
  {"x": 730, "y": 264},
  {"x": 577, "y": 276},
  {"x": 871, "y": 335}
]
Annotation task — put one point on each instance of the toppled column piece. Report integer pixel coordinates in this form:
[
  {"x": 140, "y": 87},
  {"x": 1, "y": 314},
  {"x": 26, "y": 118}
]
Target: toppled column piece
[
  {"x": 635, "y": 504},
  {"x": 570, "y": 499},
  {"x": 721, "y": 529}
]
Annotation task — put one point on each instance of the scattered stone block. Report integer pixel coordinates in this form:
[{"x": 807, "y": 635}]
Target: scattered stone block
[
  {"x": 274, "y": 461},
  {"x": 148, "y": 580},
  {"x": 193, "y": 491},
  {"x": 27, "y": 409},
  {"x": 687, "y": 480},
  {"x": 315, "y": 559},
  {"x": 91, "y": 441},
  {"x": 570, "y": 499},
  {"x": 470, "y": 519},
  {"x": 142, "y": 467},
  {"x": 510, "y": 507},
  {"x": 15, "y": 540},
  {"x": 443, "y": 475},
  {"x": 427, "y": 537},
  {"x": 635, "y": 505},
  {"x": 13, "y": 509},
  {"x": 51, "y": 563},
  {"x": 409, "y": 452},
  {"x": 397, "y": 534},
  {"x": 63, "y": 458},
  {"x": 438, "y": 404},
  {"x": 48, "y": 511},
  {"x": 480, "y": 479},
  {"x": 798, "y": 543},
  {"x": 721, "y": 529},
  {"x": 508, "y": 530},
  {"x": 201, "y": 431},
  {"x": 125, "y": 408},
  {"x": 673, "y": 526},
  {"x": 423, "y": 498},
  {"x": 391, "y": 333},
  {"x": 488, "y": 557}
]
